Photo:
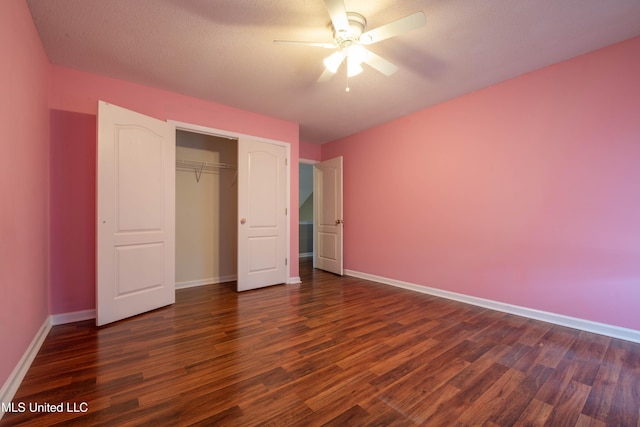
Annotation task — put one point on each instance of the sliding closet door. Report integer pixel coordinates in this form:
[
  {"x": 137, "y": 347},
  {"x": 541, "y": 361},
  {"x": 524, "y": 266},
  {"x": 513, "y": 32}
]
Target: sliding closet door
[
  {"x": 262, "y": 212},
  {"x": 135, "y": 214}
]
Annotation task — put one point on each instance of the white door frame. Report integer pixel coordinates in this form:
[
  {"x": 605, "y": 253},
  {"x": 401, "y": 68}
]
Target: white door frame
[{"x": 189, "y": 127}]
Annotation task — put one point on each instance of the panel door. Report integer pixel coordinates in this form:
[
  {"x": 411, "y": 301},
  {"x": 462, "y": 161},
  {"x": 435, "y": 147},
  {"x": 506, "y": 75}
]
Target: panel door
[
  {"x": 262, "y": 211},
  {"x": 327, "y": 216},
  {"x": 135, "y": 214}
]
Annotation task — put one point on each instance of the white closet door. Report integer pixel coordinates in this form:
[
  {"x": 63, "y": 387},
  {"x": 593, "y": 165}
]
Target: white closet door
[
  {"x": 262, "y": 222},
  {"x": 135, "y": 213}
]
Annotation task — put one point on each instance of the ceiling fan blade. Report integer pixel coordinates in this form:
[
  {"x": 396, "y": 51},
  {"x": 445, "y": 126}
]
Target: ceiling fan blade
[
  {"x": 312, "y": 44},
  {"x": 326, "y": 75},
  {"x": 338, "y": 14},
  {"x": 380, "y": 64},
  {"x": 394, "y": 28}
]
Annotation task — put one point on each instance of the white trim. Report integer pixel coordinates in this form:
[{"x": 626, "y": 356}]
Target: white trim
[
  {"x": 288, "y": 209},
  {"x": 209, "y": 281},
  {"x": 305, "y": 255},
  {"x": 558, "y": 319},
  {"x": 308, "y": 161},
  {"x": 294, "y": 280},
  {"x": 76, "y": 316},
  {"x": 12, "y": 383}
]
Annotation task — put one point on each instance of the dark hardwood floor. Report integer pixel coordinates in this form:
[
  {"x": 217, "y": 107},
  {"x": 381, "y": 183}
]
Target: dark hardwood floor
[{"x": 331, "y": 351}]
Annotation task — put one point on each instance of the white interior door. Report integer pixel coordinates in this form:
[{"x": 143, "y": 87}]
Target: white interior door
[
  {"x": 262, "y": 212},
  {"x": 135, "y": 214},
  {"x": 327, "y": 215}
]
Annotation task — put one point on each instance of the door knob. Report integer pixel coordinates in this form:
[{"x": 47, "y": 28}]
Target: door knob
[
  {"x": 339, "y": 221},
  {"x": 243, "y": 220}
]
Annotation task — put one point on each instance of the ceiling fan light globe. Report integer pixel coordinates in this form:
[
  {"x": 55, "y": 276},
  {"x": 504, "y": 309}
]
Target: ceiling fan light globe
[
  {"x": 358, "y": 53},
  {"x": 353, "y": 67},
  {"x": 333, "y": 61}
]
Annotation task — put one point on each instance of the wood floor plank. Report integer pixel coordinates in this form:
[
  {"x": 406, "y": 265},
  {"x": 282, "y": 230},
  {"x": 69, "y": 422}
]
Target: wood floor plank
[
  {"x": 602, "y": 392},
  {"x": 496, "y": 399},
  {"x": 627, "y": 394},
  {"x": 436, "y": 402},
  {"x": 412, "y": 391},
  {"x": 585, "y": 421},
  {"x": 551, "y": 391},
  {"x": 330, "y": 351},
  {"x": 568, "y": 408}
]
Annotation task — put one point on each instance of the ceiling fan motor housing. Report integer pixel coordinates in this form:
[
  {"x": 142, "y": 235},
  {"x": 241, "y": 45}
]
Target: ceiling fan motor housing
[{"x": 357, "y": 24}]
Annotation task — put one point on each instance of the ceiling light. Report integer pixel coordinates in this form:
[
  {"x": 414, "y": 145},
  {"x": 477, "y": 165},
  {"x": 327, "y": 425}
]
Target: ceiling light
[
  {"x": 333, "y": 61},
  {"x": 353, "y": 66},
  {"x": 358, "y": 53}
]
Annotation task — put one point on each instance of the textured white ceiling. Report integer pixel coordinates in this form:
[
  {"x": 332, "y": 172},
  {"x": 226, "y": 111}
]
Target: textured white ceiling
[{"x": 222, "y": 50}]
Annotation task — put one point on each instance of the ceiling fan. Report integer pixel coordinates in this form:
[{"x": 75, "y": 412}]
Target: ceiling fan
[{"x": 350, "y": 39}]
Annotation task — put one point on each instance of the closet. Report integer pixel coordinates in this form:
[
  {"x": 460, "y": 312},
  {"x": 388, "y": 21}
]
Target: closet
[{"x": 206, "y": 209}]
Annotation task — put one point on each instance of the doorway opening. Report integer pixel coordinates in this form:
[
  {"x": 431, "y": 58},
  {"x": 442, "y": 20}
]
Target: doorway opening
[
  {"x": 206, "y": 209},
  {"x": 305, "y": 214}
]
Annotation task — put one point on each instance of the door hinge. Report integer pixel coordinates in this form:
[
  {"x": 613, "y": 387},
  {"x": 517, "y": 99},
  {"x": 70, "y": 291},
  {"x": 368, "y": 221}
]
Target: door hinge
[
  {"x": 286, "y": 211},
  {"x": 286, "y": 161},
  {"x": 286, "y": 261}
]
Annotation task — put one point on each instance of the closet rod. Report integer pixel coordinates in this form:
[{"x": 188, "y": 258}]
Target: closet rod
[
  {"x": 202, "y": 167},
  {"x": 190, "y": 164}
]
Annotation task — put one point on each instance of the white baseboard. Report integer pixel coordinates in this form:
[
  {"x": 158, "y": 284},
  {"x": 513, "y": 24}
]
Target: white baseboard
[
  {"x": 12, "y": 384},
  {"x": 294, "y": 280},
  {"x": 305, "y": 255},
  {"x": 76, "y": 316},
  {"x": 558, "y": 319},
  {"x": 209, "y": 281}
]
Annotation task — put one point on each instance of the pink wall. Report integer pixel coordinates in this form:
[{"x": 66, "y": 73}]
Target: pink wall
[
  {"x": 74, "y": 96},
  {"x": 525, "y": 192},
  {"x": 309, "y": 151},
  {"x": 24, "y": 120},
  {"x": 72, "y": 218}
]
